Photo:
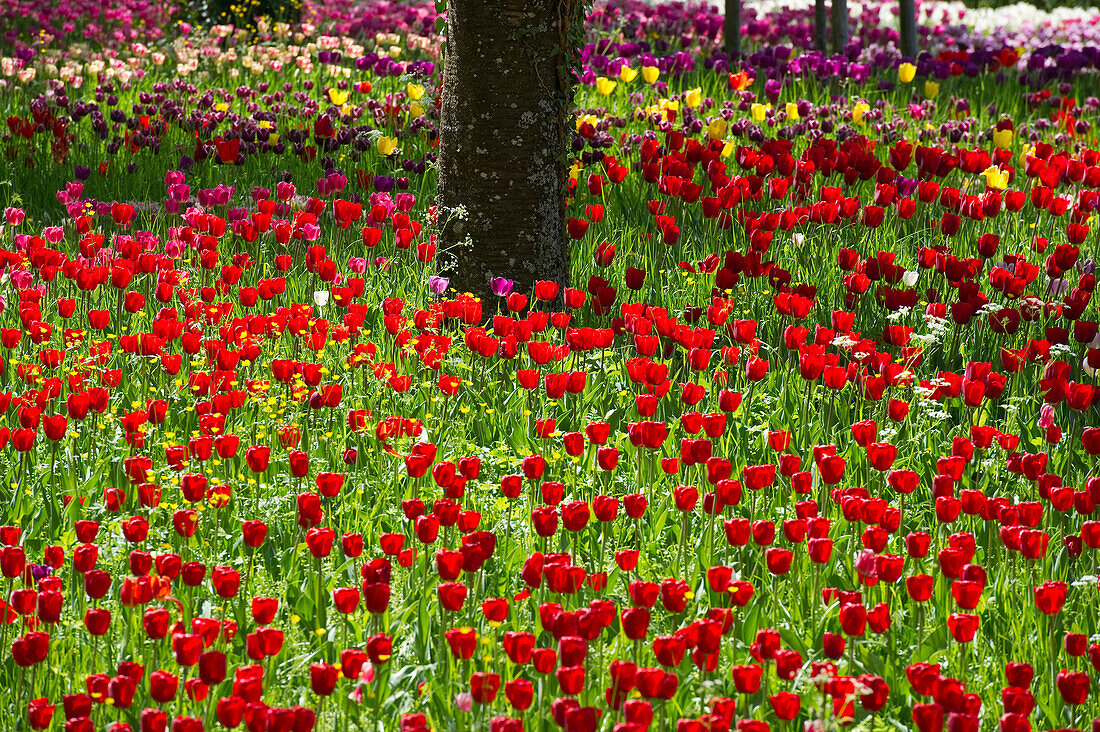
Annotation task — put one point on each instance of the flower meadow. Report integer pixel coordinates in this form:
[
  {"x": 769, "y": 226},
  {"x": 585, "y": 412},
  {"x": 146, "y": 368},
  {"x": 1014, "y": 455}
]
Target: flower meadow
[{"x": 809, "y": 440}]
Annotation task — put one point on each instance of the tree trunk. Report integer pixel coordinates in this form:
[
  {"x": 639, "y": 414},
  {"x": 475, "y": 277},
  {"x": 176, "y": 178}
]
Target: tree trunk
[
  {"x": 908, "y": 12},
  {"x": 503, "y": 173},
  {"x": 819, "y": 26},
  {"x": 840, "y": 25},
  {"x": 731, "y": 28}
]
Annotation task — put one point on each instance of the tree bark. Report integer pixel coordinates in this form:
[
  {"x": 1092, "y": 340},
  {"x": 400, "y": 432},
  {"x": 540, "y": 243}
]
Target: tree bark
[
  {"x": 840, "y": 25},
  {"x": 503, "y": 172},
  {"x": 908, "y": 12},
  {"x": 819, "y": 26},
  {"x": 731, "y": 28}
]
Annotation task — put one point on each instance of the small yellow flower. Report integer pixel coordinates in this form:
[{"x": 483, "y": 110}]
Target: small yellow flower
[
  {"x": 415, "y": 91},
  {"x": 693, "y": 98},
  {"x": 221, "y": 107},
  {"x": 792, "y": 111},
  {"x": 931, "y": 88},
  {"x": 1002, "y": 138},
  {"x": 605, "y": 86},
  {"x": 628, "y": 74},
  {"x": 650, "y": 74},
  {"x": 415, "y": 110},
  {"x": 906, "y": 73},
  {"x": 337, "y": 97},
  {"x": 717, "y": 129},
  {"x": 758, "y": 111}
]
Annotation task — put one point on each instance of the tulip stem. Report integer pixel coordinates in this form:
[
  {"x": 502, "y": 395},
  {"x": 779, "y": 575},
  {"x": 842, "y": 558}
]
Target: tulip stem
[
  {"x": 507, "y": 532},
  {"x": 603, "y": 544},
  {"x": 4, "y": 648},
  {"x": 683, "y": 543},
  {"x": 50, "y": 497},
  {"x": 813, "y": 596},
  {"x": 806, "y": 412},
  {"x": 320, "y": 615},
  {"x": 22, "y": 679}
]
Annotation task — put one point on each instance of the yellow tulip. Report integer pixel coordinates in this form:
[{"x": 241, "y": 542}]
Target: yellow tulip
[
  {"x": 273, "y": 139},
  {"x": 628, "y": 74},
  {"x": 996, "y": 178},
  {"x": 650, "y": 73},
  {"x": 931, "y": 88},
  {"x": 906, "y": 73},
  {"x": 587, "y": 118},
  {"x": 221, "y": 107},
  {"x": 1002, "y": 138},
  {"x": 728, "y": 148},
  {"x": 792, "y": 110},
  {"x": 415, "y": 110},
  {"x": 605, "y": 86},
  {"x": 386, "y": 145},
  {"x": 858, "y": 111},
  {"x": 1025, "y": 152},
  {"x": 337, "y": 97},
  {"x": 415, "y": 91},
  {"x": 758, "y": 111},
  {"x": 693, "y": 98},
  {"x": 716, "y": 129}
]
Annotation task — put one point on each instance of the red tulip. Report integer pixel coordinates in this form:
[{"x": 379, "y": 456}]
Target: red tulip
[
  {"x": 962, "y": 626},
  {"x": 323, "y": 678},
  {"x": 346, "y": 599},
  {"x": 452, "y": 595},
  {"x": 163, "y": 686},
  {"x": 520, "y": 693},
  {"x": 778, "y": 560},
  {"x": 319, "y": 541},
  {"x": 257, "y": 457},
  {"x": 187, "y": 648},
  {"x": 299, "y": 463},
  {"x": 462, "y": 642},
  {"x": 1050, "y": 596},
  {"x": 40, "y": 713},
  {"x": 309, "y": 510},
  {"x": 746, "y": 678},
  {"x": 212, "y": 667},
  {"x": 785, "y": 704},
  {"x": 484, "y": 687},
  {"x": 1073, "y": 686},
  {"x": 226, "y": 581}
]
